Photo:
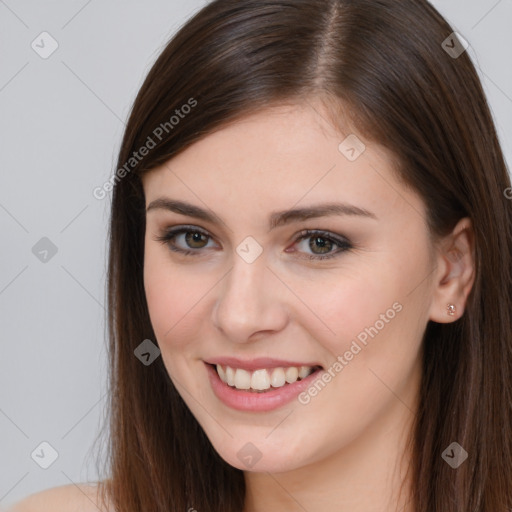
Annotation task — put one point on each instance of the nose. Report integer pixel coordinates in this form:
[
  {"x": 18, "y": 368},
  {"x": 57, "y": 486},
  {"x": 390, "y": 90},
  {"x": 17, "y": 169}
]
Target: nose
[{"x": 250, "y": 302}]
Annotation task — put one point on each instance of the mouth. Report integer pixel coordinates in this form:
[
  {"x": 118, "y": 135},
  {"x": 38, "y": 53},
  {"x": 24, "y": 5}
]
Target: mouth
[
  {"x": 262, "y": 380},
  {"x": 261, "y": 389}
]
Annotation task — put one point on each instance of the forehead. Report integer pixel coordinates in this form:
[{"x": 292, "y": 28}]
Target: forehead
[{"x": 280, "y": 157}]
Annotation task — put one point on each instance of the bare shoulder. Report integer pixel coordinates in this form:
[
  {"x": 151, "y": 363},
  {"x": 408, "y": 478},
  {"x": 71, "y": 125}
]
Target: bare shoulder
[{"x": 66, "y": 498}]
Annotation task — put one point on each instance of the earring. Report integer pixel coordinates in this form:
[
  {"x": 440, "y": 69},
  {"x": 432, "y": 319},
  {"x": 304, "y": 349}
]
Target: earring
[{"x": 451, "y": 309}]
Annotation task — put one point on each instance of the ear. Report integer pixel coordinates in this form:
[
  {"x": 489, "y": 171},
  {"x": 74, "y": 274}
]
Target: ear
[{"x": 455, "y": 273}]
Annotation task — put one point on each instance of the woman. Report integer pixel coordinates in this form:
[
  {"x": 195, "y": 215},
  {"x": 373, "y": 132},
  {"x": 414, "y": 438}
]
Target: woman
[{"x": 309, "y": 274}]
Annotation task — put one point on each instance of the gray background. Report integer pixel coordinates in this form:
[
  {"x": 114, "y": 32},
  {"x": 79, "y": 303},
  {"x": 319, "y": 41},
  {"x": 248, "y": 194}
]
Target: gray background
[{"x": 61, "y": 124}]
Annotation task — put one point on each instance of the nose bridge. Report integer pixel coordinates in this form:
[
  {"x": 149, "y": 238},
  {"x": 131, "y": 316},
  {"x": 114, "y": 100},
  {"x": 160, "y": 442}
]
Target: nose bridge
[{"x": 247, "y": 302}]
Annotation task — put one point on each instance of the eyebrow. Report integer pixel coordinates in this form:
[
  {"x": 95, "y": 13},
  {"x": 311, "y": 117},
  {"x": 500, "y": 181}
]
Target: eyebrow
[{"x": 276, "y": 218}]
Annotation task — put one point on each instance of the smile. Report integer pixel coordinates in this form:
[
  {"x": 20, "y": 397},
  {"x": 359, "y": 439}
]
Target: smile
[
  {"x": 263, "y": 379},
  {"x": 262, "y": 389}
]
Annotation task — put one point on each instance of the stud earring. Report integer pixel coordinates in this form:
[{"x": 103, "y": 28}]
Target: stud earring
[{"x": 451, "y": 309}]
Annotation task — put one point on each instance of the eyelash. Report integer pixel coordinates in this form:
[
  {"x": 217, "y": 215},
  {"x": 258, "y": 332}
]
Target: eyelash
[{"x": 343, "y": 244}]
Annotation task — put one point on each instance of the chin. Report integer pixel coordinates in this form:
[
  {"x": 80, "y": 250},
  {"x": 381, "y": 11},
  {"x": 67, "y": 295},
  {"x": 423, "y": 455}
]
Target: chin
[{"x": 261, "y": 452}]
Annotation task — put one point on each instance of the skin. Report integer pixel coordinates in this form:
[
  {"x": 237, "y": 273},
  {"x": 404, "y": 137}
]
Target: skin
[{"x": 345, "y": 450}]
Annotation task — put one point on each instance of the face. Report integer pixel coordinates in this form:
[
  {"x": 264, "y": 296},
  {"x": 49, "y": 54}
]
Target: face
[{"x": 231, "y": 280}]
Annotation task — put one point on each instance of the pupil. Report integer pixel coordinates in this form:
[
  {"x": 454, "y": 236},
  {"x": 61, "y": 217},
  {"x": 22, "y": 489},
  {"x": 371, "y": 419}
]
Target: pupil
[
  {"x": 321, "y": 242},
  {"x": 196, "y": 237}
]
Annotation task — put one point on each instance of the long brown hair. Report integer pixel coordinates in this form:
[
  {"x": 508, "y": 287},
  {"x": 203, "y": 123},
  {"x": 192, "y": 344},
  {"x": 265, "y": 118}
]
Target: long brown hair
[{"x": 382, "y": 61}]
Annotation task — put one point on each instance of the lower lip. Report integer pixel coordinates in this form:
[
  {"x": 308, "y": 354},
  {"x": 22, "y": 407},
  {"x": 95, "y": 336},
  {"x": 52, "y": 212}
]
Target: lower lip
[{"x": 254, "y": 401}]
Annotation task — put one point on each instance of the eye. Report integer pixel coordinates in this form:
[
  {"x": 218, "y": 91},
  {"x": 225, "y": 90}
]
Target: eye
[
  {"x": 321, "y": 244},
  {"x": 190, "y": 236}
]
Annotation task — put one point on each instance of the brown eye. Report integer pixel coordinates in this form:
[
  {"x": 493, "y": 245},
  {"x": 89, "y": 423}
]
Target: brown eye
[
  {"x": 185, "y": 240},
  {"x": 322, "y": 245},
  {"x": 196, "y": 239}
]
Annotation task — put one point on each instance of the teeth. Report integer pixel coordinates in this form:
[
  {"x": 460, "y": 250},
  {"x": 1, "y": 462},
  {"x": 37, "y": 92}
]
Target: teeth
[
  {"x": 304, "y": 371},
  {"x": 222, "y": 373},
  {"x": 242, "y": 379},
  {"x": 230, "y": 376},
  {"x": 261, "y": 380},
  {"x": 278, "y": 378},
  {"x": 292, "y": 374}
]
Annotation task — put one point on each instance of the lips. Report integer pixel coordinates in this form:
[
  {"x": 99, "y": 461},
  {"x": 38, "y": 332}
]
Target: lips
[{"x": 251, "y": 400}]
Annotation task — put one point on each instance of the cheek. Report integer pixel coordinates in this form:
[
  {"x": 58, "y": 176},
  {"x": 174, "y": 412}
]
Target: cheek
[
  {"x": 351, "y": 313},
  {"x": 174, "y": 297},
  {"x": 161, "y": 288},
  {"x": 380, "y": 306}
]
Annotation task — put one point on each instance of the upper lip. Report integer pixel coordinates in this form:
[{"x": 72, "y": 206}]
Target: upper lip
[{"x": 256, "y": 364}]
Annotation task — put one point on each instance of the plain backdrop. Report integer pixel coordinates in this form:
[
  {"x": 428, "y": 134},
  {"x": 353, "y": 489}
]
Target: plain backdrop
[{"x": 61, "y": 123}]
